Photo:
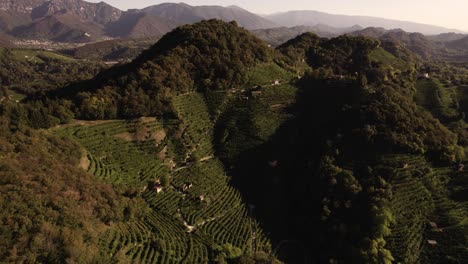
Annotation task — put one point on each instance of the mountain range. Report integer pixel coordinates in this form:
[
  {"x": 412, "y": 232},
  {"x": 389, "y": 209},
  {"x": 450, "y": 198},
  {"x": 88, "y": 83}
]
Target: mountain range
[
  {"x": 81, "y": 21},
  {"x": 310, "y": 18}
]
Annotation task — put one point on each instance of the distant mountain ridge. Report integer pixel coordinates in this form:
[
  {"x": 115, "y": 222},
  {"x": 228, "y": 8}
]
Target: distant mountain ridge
[
  {"x": 310, "y": 18},
  {"x": 186, "y": 14},
  {"x": 279, "y": 35},
  {"x": 81, "y": 21}
]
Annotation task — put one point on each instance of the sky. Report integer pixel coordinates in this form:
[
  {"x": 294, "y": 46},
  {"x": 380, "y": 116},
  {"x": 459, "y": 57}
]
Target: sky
[{"x": 446, "y": 13}]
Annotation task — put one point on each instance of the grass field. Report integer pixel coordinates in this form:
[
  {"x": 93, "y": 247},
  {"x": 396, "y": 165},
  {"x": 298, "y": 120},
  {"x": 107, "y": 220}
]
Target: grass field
[{"x": 35, "y": 55}]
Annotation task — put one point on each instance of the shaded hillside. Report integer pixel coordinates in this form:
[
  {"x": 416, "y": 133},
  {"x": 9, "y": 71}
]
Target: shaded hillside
[
  {"x": 9, "y": 20},
  {"x": 61, "y": 27},
  {"x": 331, "y": 183},
  {"x": 137, "y": 25},
  {"x": 15, "y": 13}
]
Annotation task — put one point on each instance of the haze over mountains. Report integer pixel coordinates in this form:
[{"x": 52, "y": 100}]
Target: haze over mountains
[
  {"x": 81, "y": 21},
  {"x": 310, "y": 18}
]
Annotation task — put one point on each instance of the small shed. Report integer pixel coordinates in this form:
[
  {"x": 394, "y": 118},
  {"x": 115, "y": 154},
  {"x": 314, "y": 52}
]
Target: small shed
[
  {"x": 157, "y": 188},
  {"x": 432, "y": 242}
]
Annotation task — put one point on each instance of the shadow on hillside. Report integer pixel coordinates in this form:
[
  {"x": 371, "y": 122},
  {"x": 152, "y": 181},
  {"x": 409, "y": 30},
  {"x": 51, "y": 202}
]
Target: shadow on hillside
[{"x": 280, "y": 177}]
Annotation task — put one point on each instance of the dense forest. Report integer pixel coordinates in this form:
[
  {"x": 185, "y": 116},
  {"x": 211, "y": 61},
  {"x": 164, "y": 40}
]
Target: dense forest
[{"x": 212, "y": 147}]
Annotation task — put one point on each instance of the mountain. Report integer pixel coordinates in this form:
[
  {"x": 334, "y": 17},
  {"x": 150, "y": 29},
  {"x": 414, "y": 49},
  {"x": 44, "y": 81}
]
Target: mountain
[
  {"x": 186, "y": 14},
  {"x": 81, "y": 21},
  {"x": 20, "y": 6},
  {"x": 57, "y": 20},
  {"x": 310, "y": 18},
  {"x": 62, "y": 27},
  {"x": 139, "y": 24},
  {"x": 14, "y": 13},
  {"x": 100, "y": 13}
]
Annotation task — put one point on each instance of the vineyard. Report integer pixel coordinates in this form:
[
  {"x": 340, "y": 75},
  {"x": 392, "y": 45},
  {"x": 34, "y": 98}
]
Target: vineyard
[
  {"x": 194, "y": 217},
  {"x": 429, "y": 225}
]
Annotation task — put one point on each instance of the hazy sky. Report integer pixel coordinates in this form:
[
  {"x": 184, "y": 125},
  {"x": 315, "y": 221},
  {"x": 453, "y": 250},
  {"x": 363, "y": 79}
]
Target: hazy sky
[{"x": 447, "y": 13}]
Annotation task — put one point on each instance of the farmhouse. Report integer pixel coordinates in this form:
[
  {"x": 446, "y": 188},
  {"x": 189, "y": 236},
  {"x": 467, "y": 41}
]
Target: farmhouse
[{"x": 424, "y": 76}]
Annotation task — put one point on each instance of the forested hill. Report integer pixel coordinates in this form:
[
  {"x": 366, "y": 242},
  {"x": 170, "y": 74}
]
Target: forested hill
[
  {"x": 210, "y": 55},
  {"x": 219, "y": 149}
]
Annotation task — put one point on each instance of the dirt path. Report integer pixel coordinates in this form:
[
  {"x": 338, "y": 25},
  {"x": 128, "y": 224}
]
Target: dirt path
[{"x": 85, "y": 162}]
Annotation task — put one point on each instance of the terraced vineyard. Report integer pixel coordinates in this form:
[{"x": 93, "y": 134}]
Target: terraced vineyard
[
  {"x": 193, "y": 218},
  {"x": 428, "y": 225}
]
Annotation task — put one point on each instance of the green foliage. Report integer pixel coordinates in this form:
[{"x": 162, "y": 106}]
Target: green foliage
[
  {"x": 334, "y": 166},
  {"x": 441, "y": 101},
  {"x": 31, "y": 71},
  {"x": 210, "y": 55},
  {"x": 51, "y": 211}
]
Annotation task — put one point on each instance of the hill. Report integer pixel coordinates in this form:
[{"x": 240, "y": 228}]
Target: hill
[
  {"x": 204, "y": 56},
  {"x": 311, "y": 18},
  {"x": 447, "y": 37},
  {"x": 219, "y": 149},
  {"x": 459, "y": 44}
]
